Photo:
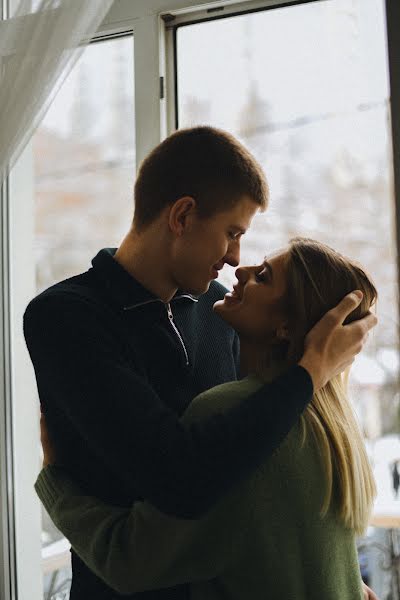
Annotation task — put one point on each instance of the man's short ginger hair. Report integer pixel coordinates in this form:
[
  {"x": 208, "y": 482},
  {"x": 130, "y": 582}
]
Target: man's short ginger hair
[{"x": 208, "y": 164}]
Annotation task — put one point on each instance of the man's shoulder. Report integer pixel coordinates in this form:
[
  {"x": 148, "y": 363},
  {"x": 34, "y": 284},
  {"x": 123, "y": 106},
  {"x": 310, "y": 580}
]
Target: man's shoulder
[{"x": 75, "y": 294}]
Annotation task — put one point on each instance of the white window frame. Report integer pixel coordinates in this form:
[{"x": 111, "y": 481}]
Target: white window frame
[
  {"x": 152, "y": 23},
  {"x": 393, "y": 38},
  {"x": 154, "y": 54}
]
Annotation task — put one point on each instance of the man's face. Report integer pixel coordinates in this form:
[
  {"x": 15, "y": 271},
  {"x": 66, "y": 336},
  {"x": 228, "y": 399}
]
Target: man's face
[{"x": 210, "y": 243}]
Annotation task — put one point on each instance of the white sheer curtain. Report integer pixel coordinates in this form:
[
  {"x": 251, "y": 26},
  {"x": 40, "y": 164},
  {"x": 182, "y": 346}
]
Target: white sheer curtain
[{"x": 39, "y": 45}]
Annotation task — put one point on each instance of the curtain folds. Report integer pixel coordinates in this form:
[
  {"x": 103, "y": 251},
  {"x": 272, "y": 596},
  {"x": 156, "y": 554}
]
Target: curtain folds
[{"x": 39, "y": 45}]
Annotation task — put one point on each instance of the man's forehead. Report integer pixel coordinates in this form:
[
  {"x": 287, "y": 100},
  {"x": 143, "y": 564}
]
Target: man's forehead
[{"x": 242, "y": 211}]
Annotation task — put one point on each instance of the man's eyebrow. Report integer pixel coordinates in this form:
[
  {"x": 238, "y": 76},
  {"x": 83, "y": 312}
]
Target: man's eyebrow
[{"x": 267, "y": 265}]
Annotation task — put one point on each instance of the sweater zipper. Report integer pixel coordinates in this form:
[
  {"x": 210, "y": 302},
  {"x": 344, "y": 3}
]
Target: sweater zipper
[{"x": 171, "y": 320}]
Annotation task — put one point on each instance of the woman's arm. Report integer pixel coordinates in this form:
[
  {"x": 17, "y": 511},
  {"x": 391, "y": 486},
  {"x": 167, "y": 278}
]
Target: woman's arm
[{"x": 139, "y": 548}]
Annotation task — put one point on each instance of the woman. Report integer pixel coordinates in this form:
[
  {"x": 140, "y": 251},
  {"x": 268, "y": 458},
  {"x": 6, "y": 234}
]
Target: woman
[{"x": 287, "y": 532}]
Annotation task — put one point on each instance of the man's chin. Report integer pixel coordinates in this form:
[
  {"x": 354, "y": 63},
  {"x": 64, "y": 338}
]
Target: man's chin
[{"x": 197, "y": 290}]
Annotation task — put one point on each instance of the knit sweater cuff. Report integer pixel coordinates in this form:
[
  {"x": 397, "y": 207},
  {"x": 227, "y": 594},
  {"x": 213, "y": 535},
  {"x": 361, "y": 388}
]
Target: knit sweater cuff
[
  {"x": 303, "y": 379},
  {"x": 50, "y": 485}
]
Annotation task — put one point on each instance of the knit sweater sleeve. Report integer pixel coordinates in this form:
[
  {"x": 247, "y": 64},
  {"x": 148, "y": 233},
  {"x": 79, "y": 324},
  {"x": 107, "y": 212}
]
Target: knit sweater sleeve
[{"x": 140, "y": 548}]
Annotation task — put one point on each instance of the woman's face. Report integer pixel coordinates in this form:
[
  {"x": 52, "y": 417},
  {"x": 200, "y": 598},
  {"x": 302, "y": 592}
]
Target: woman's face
[{"x": 255, "y": 307}]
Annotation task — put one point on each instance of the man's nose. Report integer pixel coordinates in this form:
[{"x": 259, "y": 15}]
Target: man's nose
[{"x": 232, "y": 257}]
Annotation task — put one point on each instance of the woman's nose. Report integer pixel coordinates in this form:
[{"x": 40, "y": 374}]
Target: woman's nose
[{"x": 242, "y": 274}]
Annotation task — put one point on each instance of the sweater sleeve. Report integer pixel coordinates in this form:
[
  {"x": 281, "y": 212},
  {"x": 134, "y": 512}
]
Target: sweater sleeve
[
  {"x": 139, "y": 549},
  {"x": 182, "y": 469}
]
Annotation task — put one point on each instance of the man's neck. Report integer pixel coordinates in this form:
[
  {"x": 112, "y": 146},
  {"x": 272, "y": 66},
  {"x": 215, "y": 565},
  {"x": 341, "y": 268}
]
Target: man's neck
[{"x": 144, "y": 257}]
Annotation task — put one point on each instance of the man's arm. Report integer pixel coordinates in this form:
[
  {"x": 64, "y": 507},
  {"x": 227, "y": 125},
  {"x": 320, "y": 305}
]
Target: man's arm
[
  {"x": 181, "y": 469},
  {"x": 139, "y": 549}
]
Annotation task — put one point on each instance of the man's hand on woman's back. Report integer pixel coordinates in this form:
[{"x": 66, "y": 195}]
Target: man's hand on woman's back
[{"x": 330, "y": 346}]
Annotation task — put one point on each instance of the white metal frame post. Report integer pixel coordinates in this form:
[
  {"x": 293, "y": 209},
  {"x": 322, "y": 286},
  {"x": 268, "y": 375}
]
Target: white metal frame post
[
  {"x": 24, "y": 404},
  {"x": 7, "y": 488},
  {"x": 393, "y": 33},
  {"x": 8, "y": 584}
]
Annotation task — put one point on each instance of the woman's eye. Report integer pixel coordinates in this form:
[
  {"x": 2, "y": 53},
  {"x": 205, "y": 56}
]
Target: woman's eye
[{"x": 260, "y": 276}]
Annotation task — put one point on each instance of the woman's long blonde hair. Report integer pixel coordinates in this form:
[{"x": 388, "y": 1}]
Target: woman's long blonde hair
[{"x": 318, "y": 278}]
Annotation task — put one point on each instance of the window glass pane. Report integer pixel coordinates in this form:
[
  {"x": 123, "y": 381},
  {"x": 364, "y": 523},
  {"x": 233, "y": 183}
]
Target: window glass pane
[
  {"x": 84, "y": 163},
  {"x": 84, "y": 157},
  {"x": 305, "y": 87}
]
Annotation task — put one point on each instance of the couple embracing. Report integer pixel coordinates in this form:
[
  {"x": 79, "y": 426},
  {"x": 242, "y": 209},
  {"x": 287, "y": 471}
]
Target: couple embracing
[{"x": 200, "y": 444}]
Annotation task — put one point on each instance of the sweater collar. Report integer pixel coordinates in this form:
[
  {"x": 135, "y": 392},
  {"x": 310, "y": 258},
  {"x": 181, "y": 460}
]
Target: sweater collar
[{"x": 126, "y": 291}]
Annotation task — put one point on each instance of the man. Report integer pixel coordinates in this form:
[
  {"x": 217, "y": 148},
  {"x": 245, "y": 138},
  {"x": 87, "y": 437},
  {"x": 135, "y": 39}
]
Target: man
[{"x": 121, "y": 350}]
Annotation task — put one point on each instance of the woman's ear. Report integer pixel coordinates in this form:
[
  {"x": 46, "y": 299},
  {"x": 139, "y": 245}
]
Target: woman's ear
[{"x": 180, "y": 214}]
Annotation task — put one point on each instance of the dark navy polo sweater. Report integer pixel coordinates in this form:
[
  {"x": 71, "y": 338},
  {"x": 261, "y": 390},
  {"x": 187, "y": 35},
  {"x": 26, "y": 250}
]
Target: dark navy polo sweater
[{"x": 116, "y": 367}]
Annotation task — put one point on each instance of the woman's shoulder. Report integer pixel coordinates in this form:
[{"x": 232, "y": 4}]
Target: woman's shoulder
[{"x": 221, "y": 397}]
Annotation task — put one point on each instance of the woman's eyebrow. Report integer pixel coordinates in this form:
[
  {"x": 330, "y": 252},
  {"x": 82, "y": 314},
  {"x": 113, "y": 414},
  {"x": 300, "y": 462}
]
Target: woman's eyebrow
[{"x": 269, "y": 268}]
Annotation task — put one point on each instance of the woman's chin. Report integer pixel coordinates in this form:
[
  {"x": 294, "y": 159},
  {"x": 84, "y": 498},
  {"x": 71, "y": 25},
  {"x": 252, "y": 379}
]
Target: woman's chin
[
  {"x": 223, "y": 308},
  {"x": 229, "y": 301},
  {"x": 218, "y": 307}
]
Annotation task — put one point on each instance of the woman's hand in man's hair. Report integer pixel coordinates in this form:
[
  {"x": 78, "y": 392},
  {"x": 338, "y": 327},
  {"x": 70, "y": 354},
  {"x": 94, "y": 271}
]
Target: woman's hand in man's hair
[
  {"x": 330, "y": 346},
  {"x": 49, "y": 455}
]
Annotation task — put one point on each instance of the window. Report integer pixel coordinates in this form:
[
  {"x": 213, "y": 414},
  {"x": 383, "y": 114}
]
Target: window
[
  {"x": 83, "y": 174},
  {"x": 84, "y": 163},
  {"x": 314, "y": 109},
  {"x": 306, "y": 89}
]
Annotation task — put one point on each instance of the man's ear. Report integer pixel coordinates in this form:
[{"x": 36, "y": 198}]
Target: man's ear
[{"x": 181, "y": 213}]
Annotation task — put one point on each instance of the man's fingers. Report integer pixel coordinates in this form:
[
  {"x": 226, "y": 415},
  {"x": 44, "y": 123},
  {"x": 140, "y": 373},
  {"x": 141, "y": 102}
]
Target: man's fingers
[
  {"x": 361, "y": 327},
  {"x": 370, "y": 321},
  {"x": 346, "y": 306}
]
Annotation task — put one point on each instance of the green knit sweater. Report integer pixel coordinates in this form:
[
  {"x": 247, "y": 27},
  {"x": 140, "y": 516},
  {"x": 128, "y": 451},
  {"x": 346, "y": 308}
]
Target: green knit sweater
[{"x": 264, "y": 540}]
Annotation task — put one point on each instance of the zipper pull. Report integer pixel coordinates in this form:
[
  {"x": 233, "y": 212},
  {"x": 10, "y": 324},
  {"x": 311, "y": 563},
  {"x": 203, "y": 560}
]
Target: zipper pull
[
  {"x": 177, "y": 333},
  {"x": 169, "y": 311}
]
